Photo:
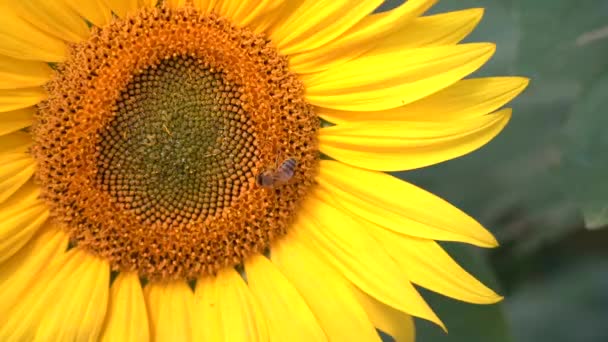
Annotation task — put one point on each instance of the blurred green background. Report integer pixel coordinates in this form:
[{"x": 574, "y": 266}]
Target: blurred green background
[{"x": 540, "y": 185}]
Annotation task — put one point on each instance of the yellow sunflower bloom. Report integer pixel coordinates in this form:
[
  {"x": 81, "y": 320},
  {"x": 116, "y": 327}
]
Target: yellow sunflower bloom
[{"x": 169, "y": 171}]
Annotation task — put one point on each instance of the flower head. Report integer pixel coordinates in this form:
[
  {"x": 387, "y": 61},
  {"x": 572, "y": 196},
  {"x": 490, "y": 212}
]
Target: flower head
[{"x": 212, "y": 170}]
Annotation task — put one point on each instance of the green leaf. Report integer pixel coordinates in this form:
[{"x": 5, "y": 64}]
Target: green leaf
[
  {"x": 466, "y": 322},
  {"x": 585, "y": 166}
]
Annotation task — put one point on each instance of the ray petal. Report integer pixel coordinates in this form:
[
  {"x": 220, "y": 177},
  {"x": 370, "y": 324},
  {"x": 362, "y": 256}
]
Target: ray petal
[
  {"x": 21, "y": 215},
  {"x": 17, "y": 142},
  {"x": 123, "y": 7},
  {"x": 54, "y": 17},
  {"x": 428, "y": 265},
  {"x": 366, "y": 35},
  {"x": 464, "y": 99},
  {"x": 433, "y": 30},
  {"x": 15, "y": 120},
  {"x": 169, "y": 307},
  {"x": 392, "y": 79},
  {"x": 279, "y": 299},
  {"x": 227, "y": 8},
  {"x": 245, "y": 15},
  {"x": 17, "y": 73},
  {"x": 346, "y": 245},
  {"x": 127, "y": 319},
  {"x": 327, "y": 293},
  {"x": 205, "y": 6},
  {"x": 18, "y": 223},
  {"x": 398, "y": 145},
  {"x": 399, "y": 206},
  {"x": 176, "y": 3},
  {"x": 316, "y": 22},
  {"x": 22, "y": 269},
  {"x": 66, "y": 302},
  {"x": 12, "y": 99},
  {"x": 225, "y": 310},
  {"x": 95, "y": 11},
  {"x": 82, "y": 291},
  {"x": 15, "y": 170},
  {"x": 390, "y": 320},
  {"x": 20, "y": 39}
]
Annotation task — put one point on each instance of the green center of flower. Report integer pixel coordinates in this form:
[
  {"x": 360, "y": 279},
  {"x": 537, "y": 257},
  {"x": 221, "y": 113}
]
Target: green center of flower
[
  {"x": 154, "y": 138},
  {"x": 177, "y": 137}
]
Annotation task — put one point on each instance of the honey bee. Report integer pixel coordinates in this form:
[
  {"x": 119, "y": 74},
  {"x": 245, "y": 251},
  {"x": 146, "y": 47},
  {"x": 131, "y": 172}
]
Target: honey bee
[{"x": 279, "y": 176}]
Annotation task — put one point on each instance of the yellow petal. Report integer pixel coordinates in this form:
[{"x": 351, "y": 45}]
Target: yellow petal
[
  {"x": 207, "y": 310},
  {"x": 463, "y": 100},
  {"x": 205, "y": 6},
  {"x": 15, "y": 170},
  {"x": 25, "y": 197},
  {"x": 17, "y": 73},
  {"x": 54, "y": 17},
  {"x": 279, "y": 299},
  {"x": 399, "y": 206},
  {"x": 149, "y": 3},
  {"x": 18, "y": 226},
  {"x": 317, "y": 22},
  {"x": 20, "y": 39},
  {"x": 393, "y": 322},
  {"x": 327, "y": 293},
  {"x": 77, "y": 299},
  {"x": 11, "y": 99},
  {"x": 15, "y": 142},
  {"x": 252, "y": 10},
  {"x": 15, "y": 120},
  {"x": 124, "y": 7},
  {"x": 66, "y": 302},
  {"x": 95, "y": 11},
  {"x": 398, "y": 145},
  {"x": 434, "y": 30},
  {"x": 227, "y": 8},
  {"x": 345, "y": 244},
  {"x": 263, "y": 23},
  {"x": 393, "y": 79},
  {"x": 127, "y": 319},
  {"x": 225, "y": 310},
  {"x": 441, "y": 29},
  {"x": 429, "y": 266},
  {"x": 176, "y": 3},
  {"x": 170, "y": 311},
  {"x": 23, "y": 268},
  {"x": 362, "y": 37}
]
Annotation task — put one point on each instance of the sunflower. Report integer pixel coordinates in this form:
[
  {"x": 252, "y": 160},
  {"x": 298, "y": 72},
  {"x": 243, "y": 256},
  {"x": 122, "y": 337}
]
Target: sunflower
[{"x": 215, "y": 169}]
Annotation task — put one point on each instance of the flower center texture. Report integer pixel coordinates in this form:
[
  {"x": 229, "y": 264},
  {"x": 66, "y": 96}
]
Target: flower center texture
[{"x": 155, "y": 133}]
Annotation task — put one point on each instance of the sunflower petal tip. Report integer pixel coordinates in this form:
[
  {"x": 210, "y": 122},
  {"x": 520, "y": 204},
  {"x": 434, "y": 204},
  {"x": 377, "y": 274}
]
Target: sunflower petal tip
[
  {"x": 488, "y": 240},
  {"x": 486, "y": 49},
  {"x": 482, "y": 237},
  {"x": 435, "y": 319},
  {"x": 477, "y": 13},
  {"x": 491, "y": 47},
  {"x": 525, "y": 82},
  {"x": 503, "y": 116}
]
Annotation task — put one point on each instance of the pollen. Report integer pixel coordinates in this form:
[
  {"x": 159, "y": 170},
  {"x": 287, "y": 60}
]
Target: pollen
[{"x": 152, "y": 137}]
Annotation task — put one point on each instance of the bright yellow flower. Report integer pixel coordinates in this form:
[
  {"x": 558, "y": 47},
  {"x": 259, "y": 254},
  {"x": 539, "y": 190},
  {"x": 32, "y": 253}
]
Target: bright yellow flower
[{"x": 147, "y": 150}]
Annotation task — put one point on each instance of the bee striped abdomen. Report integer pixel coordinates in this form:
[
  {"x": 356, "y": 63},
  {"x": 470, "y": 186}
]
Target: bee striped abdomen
[{"x": 287, "y": 169}]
